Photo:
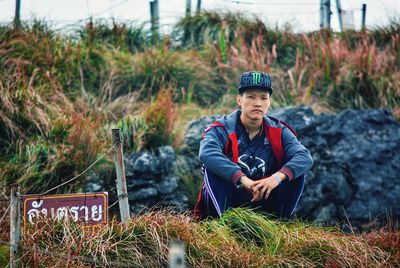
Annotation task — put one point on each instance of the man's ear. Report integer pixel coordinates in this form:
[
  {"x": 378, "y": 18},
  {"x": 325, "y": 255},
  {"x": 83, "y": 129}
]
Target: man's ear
[{"x": 238, "y": 99}]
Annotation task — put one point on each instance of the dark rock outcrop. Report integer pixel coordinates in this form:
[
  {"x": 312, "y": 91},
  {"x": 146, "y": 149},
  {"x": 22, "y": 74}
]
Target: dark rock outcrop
[
  {"x": 151, "y": 182},
  {"x": 355, "y": 175},
  {"x": 357, "y": 162},
  {"x": 152, "y": 179}
]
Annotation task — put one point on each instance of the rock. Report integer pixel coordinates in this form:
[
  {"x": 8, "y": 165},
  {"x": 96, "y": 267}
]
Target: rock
[
  {"x": 143, "y": 193},
  {"x": 168, "y": 185},
  {"x": 128, "y": 163},
  {"x": 166, "y": 158},
  {"x": 326, "y": 214},
  {"x": 134, "y": 183},
  {"x": 93, "y": 187},
  {"x": 298, "y": 117},
  {"x": 151, "y": 180},
  {"x": 194, "y": 132},
  {"x": 354, "y": 169},
  {"x": 177, "y": 202},
  {"x": 356, "y": 155},
  {"x": 145, "y": 163},
  {"x": 335, "y": 186},
  {"x": 141, "y": 207},
  {"x": 93, "y": 182},
  {"x": 355, "y": 175},
  {"x": 185, "y": 165}
]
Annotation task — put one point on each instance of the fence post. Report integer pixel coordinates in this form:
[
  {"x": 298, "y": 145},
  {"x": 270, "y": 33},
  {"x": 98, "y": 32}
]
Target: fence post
[
  {"x": 339, "y": 11},
  {"x": 198, "y": 8},
  {"x": 17, "y": 19},
  {"x": 188, "y": 8},
  {"x": 14, "y": 224},
  {"x": 121, "y": 179},
  {"x": 364, "y": 14},
  {"x": 155, "y": 20}
]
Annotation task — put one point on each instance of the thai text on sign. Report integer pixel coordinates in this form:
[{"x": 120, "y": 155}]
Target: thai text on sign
[{"x": 85, "y": 208}]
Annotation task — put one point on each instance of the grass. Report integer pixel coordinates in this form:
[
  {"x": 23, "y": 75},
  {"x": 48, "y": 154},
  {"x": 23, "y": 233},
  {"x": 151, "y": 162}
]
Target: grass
[
  {"x": 60, "y": 97},
  {"x": 125, "y": 36},
  {"x": 241, "y": 238},
  {"x": 4, "y": 255}
]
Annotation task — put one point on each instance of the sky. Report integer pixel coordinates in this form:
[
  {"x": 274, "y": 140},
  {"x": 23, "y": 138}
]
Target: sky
[{"x": 302, "y": 15}]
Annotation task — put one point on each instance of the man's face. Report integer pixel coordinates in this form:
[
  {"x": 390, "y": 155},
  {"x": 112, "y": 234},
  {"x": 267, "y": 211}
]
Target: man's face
[{"x": 254, "y": 103}]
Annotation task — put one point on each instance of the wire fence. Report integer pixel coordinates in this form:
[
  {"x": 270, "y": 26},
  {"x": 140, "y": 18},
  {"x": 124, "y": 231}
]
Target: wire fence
[
  {"x": 170, "y": 14},
  {"x": 77, "y": 176},
  {"x": 4, "y": 215},
  {"x": 74, "y": 178},
  {"x": 94, "y": 215}
]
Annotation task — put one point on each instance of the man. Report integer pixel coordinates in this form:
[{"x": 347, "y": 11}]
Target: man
[{"x": 250, "y": 159}]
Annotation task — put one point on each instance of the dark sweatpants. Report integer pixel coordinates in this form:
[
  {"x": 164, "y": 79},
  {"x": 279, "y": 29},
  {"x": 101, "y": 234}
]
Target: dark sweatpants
[{"x": 281, "y": 201}]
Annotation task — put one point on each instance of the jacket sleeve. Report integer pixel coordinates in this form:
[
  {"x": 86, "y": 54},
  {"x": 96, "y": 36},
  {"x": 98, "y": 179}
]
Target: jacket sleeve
[
  {"x": 298, "y": 159},
  {"x": 211, "y": 154}
]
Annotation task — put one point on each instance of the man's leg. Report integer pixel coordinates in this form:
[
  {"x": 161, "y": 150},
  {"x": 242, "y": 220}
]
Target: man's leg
[{"x": 219, "y": 193}]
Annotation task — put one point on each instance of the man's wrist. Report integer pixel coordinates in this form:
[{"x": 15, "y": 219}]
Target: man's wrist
[
  {"x": 277, "y": 178},
  {"x": 236, "y": 176},
  {"x": 239, "y": 184}
]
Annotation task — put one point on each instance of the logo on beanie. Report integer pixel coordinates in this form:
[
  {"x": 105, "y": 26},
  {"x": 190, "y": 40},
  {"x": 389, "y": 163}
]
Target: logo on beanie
[{"x": 256, "y": 78}]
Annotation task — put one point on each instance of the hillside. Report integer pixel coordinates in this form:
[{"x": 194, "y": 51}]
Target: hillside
[{"x": 61, "y": 95}]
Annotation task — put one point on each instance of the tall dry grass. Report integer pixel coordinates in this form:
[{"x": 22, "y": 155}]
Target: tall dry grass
[
  {"x": 60, "y": 95},
  {"x": 240, "y": 238},
  {"x": 47, "y": 132},
  {"x": 362, "y": 77}
]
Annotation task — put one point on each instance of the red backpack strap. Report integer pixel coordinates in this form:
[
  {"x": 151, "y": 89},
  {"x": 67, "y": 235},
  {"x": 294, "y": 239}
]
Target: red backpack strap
[
  {"x": 235, "y": 147},
  {"x": 289, "y": 127},
  {"x": 231, "y": 144},
  {"x": 212, "y": 125},
  {"x": 274, "y": 135}
]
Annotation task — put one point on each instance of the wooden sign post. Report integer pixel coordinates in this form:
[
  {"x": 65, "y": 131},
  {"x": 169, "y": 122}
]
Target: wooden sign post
[
  {"x": 14, "y": 224},
  {"x": 122, "y": 190}
]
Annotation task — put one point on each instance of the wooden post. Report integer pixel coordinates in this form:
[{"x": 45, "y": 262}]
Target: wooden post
[
  {"x": 321, "y": 14},
  {"x": 198, "y": 8},
  {"x": 364, "y": 13},
  {"x": 15, "y": 222},
  {"x": 155, "y": 19},
  {"x": 121, "y": 179},
  {"x": 177, "y": 254},
  {"x": 188, "y": 8},
  {"x": 339, "y": 10},
  {"x": 17, "y": 21},
  {"x": 325, "y": 13},
  {"x": 152, "y": 15}
]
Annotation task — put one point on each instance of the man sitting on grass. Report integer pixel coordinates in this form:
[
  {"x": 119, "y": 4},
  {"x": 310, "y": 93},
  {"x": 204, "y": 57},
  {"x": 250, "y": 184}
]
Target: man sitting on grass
[{"x": 250, "y": 159}]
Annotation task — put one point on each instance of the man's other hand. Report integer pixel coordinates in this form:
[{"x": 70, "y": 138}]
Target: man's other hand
[{"x": 262, "y": 188}]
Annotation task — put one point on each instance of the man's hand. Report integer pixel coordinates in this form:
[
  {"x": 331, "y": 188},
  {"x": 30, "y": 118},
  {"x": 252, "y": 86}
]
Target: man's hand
[
  {"x": 247, "y": 183},
  {"x": 262, "y": 188}
]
